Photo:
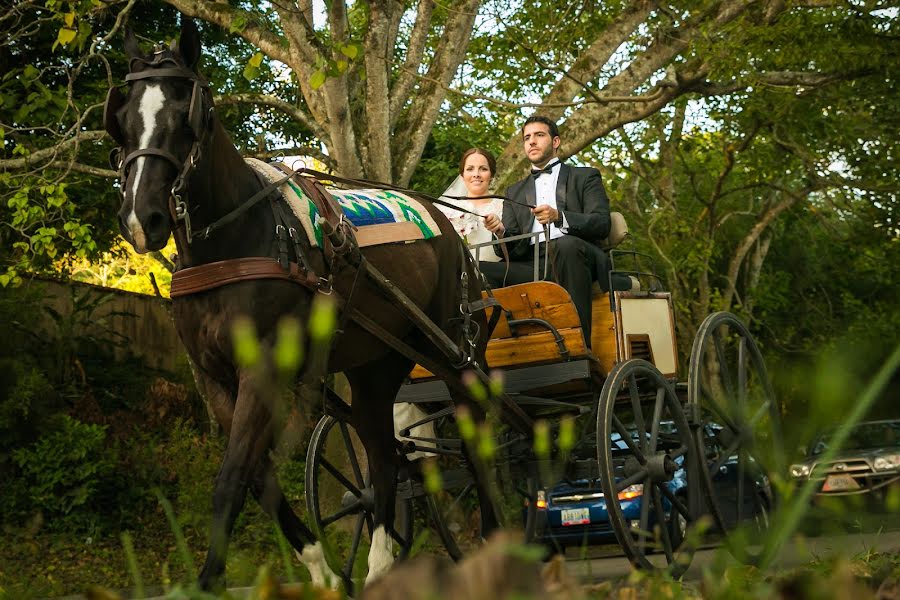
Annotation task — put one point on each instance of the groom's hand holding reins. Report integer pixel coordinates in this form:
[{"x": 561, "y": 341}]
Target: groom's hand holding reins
[{"x": 544, "y": 213}]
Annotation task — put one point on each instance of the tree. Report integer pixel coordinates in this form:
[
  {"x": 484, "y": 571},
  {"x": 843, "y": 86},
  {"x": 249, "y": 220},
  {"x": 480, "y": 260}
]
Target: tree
[{"x": 364, "y": 88}]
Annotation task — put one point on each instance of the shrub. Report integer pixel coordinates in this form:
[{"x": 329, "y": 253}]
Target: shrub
[
  {"x": 66, "y": 469},
  {"x": 26, "y": 399}
]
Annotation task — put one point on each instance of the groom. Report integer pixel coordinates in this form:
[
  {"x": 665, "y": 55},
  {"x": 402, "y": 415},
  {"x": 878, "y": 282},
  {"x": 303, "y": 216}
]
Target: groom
[{"x": 572, "y": 200}]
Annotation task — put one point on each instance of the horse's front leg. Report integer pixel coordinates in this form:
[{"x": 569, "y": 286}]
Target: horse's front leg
[
  {"x": 249, "y": 439},
  {"x": 268, "y": 493},
  {"x": 374, "y": 388}
]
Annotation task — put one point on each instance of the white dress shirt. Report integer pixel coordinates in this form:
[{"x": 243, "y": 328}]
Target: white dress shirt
[{"x": 545, "y": 187}]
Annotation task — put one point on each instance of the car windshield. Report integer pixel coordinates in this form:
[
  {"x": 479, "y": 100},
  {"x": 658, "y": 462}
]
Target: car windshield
[{"x": 863, "y": 437}]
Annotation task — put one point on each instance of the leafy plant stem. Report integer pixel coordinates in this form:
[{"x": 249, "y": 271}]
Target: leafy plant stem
[
  {"x": 179, "y": 537},
  {"x": 133, "y": 569}
]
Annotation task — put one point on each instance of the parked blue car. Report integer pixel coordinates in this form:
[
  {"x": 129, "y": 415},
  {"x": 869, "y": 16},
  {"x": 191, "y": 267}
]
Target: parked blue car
[{"x": 574, "y": 513}]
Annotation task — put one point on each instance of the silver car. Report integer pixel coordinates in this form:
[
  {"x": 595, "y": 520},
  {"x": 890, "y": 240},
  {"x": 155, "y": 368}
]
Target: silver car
[{"x": 867, "y": 463}]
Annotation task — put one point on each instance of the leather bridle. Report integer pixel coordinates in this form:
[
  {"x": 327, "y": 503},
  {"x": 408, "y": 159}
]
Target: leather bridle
[{"x": 199, "y": 120}]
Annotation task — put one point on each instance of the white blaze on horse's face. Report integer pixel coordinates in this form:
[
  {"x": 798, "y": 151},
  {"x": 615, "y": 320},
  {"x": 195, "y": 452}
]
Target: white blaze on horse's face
[
  {"x": 381, "y": 554},
  {"x": 151, "y": 103}
]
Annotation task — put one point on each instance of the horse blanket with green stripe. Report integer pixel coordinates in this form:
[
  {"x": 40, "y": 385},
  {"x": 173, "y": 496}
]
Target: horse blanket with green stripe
[{"x": 380, "y": 216}]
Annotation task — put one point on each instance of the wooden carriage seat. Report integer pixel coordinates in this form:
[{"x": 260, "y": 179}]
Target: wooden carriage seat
[{"x": 530, "y": 343}]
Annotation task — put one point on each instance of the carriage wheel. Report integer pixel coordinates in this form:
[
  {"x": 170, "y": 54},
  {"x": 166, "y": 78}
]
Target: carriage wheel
[
  {"x": 339, "y": 498},
  {"x": 455, "y": 509},
  {"x": 740, "y": 428},
  {"x": 648, "y": 469}
]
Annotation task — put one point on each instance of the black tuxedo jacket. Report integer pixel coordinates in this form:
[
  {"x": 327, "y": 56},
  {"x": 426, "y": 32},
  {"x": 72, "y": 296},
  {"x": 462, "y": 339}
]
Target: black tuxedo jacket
[{"x": 579, "y": 196}]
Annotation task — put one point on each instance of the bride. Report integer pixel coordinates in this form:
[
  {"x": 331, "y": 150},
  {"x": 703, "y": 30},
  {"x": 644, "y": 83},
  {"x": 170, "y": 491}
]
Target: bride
[{"x": 476, "y": 169}]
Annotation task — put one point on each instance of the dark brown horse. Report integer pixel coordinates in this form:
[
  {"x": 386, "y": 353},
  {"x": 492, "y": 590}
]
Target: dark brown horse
[{"x": 180, "y": 169}]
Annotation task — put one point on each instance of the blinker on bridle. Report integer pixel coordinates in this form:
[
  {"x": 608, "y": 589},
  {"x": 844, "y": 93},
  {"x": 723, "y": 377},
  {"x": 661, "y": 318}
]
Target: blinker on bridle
[{"x": 197, "y": 120}]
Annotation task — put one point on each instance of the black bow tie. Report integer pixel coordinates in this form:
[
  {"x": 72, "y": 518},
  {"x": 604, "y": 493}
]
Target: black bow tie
[{"x": 548, "y": 170}]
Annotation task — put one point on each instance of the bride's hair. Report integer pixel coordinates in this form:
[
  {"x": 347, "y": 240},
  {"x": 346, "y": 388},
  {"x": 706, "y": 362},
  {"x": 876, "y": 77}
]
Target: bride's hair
[{"x": 492, "y": 162}]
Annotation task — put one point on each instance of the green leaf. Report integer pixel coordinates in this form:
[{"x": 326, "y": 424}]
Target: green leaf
[
  {"x": 256, "y": 59},
  {"x": 317, "y": 80},
  {"x": 250, "y": 72},
  {"x": 351, "y": 50},
  {"x": 322, "y": 320},
  {"x": 247, "y": 351},
  {"x": 30, "y": 73},
  {"x": 237, "y": 24},
  {"x": 288, "y": 346},
  {"x": 65, "y": 35}
]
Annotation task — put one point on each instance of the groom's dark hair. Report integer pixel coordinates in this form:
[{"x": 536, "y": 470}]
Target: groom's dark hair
[{"x": 554, "y": 130}]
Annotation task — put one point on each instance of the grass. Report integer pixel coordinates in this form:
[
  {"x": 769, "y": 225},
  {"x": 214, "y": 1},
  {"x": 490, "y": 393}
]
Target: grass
[
  {"x": 54, "y": 565},
  {"x": 58, "y": 565}
]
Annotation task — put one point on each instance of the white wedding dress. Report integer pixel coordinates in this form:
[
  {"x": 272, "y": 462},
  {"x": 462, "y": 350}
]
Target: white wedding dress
[{"x": 471, "y": 227}]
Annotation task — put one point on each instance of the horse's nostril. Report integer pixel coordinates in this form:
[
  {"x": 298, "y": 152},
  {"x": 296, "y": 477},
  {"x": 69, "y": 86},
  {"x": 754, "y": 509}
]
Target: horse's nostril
[{"x": 156, "y": 223}]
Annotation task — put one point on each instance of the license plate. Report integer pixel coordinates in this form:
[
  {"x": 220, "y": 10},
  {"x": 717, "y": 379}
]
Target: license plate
[
  {"x": 576, "y": 516},
  {"x": 839, "y": 483}
]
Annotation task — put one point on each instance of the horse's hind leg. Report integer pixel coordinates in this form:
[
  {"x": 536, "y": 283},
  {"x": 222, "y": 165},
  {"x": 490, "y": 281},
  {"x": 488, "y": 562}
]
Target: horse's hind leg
[
  {"x": 477, "y": 467},
  {"x": 268, "y": 493},
  {"x": 374, "y": 388},
  {"x": 249, "y": 439}
]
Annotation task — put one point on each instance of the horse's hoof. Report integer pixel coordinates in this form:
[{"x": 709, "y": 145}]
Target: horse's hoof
[
  {"x": 321, "y": 575},
  {"x": 212, "y": 584}
]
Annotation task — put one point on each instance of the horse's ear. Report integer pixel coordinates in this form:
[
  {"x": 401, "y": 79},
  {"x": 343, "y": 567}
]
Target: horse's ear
[
  {"x": 189, "y": 44},
  {"x": 114, "y": 101},
  {"x": 132, "y": 47}
]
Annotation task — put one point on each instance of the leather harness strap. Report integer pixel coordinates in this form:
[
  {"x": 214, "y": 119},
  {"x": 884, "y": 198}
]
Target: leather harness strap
[{"x": 191, "y": 280}]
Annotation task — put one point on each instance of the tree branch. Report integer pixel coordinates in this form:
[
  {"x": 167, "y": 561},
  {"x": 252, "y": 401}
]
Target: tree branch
[
  {"x": 51, "y": 152},
  {"x": 589, "y": 63},
  {"x": 292, "y": 110},
  {"x": 377, "y": 161},
  {"x": 409, "y": 70},
  {"x": 416, "y": 126}
]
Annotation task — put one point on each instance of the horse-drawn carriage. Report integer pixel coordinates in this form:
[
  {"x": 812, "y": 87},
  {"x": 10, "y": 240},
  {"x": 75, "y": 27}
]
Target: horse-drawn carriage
[
  {"x": 245, "y": 252},
  {"x": 637, "y": 429}
]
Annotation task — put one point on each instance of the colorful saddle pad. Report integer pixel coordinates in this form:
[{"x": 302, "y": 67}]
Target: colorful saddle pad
[{"x": 381, "y": 216}]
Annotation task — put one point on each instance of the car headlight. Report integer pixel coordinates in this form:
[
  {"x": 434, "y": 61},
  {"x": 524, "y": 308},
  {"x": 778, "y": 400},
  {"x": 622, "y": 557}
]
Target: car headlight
[
  {"x": 799, "y": 471},
  {"x": 887, "y": 462},
  {"x": 631, "y": 492}
]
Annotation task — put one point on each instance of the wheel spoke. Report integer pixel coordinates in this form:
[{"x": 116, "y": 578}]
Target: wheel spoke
[
  {"x": 742, "y": 377},
  {"x": 760, "y": 413},
  {"x": 458, "y": 498},
  {"x": 370, "y": 524},
  {"x": 636, "y": 407},
  {"x": 741, "y": 470},
  {"x": 349, "y": 510},
  {"x": 351, "y": 452},
  {"x": 724, "y": 374},
  {"x": 676, "y": 502},
  {"x": 340, "y": 477},
  {"x": 626, "y": 438},
  {"x": 645, "y": 518},
  {"x": 713, "y": 405},
  {"x": 661, "y": 521},
  {"x": 631, "y": 480},
  {"x": 681, "y": 451},
  {"x": 397, "y": 537},
  {"x": 354, "y": 546},
  {"x": 657, "y": 417}
]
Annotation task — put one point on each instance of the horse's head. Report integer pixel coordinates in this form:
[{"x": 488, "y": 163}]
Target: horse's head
[{"x": 161, "y": 126}]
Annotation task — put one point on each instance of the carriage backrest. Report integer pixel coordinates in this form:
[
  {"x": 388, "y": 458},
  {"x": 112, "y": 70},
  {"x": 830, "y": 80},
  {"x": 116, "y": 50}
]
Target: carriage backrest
[{"x": 618, "y": 231}]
